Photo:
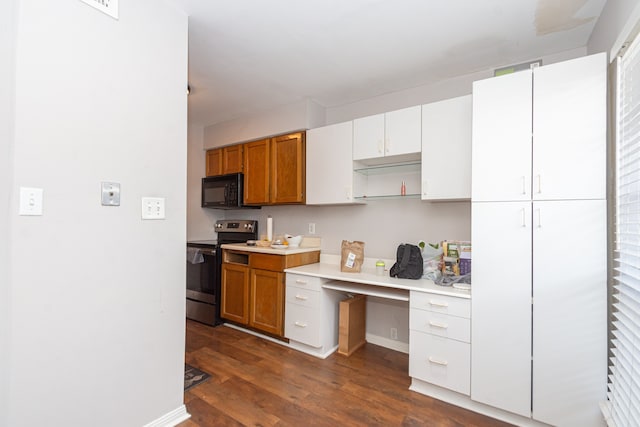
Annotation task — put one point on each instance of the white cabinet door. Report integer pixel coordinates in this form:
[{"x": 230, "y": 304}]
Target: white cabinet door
[
  {"x": 368, "y": 137},
  {"x": 403, "y": 131},
  {"x": 446, "y": 149},
  {"x": 569, "y": 129},
  {"x": 501, "y": 305},
  {"x": 569, "y": 311},
  {"x": 330, "y": 165},
  {"x": 501, "y": 145},
  {"x": 390, "y": 134}
]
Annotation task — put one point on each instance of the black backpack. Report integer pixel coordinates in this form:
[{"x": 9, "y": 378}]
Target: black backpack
[{"x": 408, "y": 264}]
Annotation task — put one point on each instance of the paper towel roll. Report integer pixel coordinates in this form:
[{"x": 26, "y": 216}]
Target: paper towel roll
[{"x": 269, "y": 229}]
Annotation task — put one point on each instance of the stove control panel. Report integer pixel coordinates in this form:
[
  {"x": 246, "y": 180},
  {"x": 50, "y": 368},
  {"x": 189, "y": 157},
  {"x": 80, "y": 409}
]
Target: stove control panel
[{"x": 237, "y": 226}]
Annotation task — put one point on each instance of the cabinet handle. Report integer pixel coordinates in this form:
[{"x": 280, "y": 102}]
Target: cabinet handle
[
  {"x": 300, "y": 324},
  {"x": 539, "y": 179},
  {"x": 301, "y": 282},
  {"x": 438, "y": 303},
  {"x": 438, "y": 362},
  {"x": 539, "y": 218},
  {"x": 524, "y": 185},
  {"x": 387, "y": 145},
  {"x": 424, "y": 188},
  {"x": 524, "y": 217},
  {"x": 438, "y": 324},
  {"x": 301, "y": 297},
  {"x": 380, "y": 146}
]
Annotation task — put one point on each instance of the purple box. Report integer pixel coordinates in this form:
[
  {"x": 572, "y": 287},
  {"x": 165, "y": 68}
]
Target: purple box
[{"x": 465, "y": 266}]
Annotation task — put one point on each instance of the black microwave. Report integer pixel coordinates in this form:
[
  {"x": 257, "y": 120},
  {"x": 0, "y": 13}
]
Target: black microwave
[{"x": 223, "y": 192}]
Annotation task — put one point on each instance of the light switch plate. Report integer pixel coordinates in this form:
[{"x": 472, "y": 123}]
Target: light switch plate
[
  {"x": 30, "y": 201},
  {"x": 110, "y": 194},
  {"x": 153, "y": 208}
]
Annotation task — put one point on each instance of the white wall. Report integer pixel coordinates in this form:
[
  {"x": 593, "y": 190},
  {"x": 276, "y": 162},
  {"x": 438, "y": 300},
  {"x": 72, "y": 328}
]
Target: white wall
[
  {"x": 300, "y": 115},
  {"x": 97, "y": 295},
  {"x": 445, "y": 89},
  {"x": 7, "y": 111},
  {"x": 613, "y": 19},
  {"x": 199, "y": 221}
]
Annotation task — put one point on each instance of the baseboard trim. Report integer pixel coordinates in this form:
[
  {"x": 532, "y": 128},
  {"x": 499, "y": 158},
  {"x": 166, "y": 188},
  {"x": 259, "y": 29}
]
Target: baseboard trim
[
  {"x": 171, "y": 419},
  {"x": 400, "y": 346}
]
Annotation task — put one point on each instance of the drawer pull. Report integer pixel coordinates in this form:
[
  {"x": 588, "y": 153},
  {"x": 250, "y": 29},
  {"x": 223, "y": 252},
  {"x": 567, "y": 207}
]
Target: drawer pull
[
  {"x": 301, "y": 282},
  {"x": 300, "y": 324},
  {"x": 438, "y": 362},
  {"x": 438, "y": 324},
  {"x": 438, "y": 303},
  {"x": 301, "y": 297}
]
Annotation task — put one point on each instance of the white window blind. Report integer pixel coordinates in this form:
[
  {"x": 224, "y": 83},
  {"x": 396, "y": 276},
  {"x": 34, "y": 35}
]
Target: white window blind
[{"x": 624, "y": 382}]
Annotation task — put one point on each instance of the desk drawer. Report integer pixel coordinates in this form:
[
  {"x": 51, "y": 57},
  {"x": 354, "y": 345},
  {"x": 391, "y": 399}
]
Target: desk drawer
[
  {"x": 445, "y": 304},
  {"x": 306, "y": 282},
  {"x": 443, "y": 325},
  {"x": 303, "y": 297},
  {"x": 302, "y": 324},
  {"x": 440, "y": 361}
]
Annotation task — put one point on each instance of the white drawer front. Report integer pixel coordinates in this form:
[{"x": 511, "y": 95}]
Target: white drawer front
[
  {"x": 306, "y": 282},
  {"x": 443, "y": 325},
  {"x": 440, "y": 361},
  {"x": 460, "y": 307},
  {"x": 302, "y": 324},
  {"x": 304, "y": 297}
]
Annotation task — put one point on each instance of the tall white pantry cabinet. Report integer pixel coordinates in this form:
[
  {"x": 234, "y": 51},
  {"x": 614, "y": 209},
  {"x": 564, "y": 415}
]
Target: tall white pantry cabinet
[{"x": 539, "y": 329}]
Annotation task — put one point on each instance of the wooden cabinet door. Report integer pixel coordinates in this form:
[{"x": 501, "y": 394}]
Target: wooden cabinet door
[
  {"x": 329, "y": 164},
  {"x": 235, "y": 293},
  {"x": 232, "y": 159},
  {"x": 256, "y": 172},
  {"x": 267, "y": 301},
  {"x": 569, "y": 129},
  {"x": 446, "y": 149},
  {"x": 214, "y": 162},
  {"x": 569, "y": 311},
  {"x": 368, "y": 137},
  {"x": 402, "y": 131},
  {"x": 288, "y": 176},
  {"x": 501, "y": 305},
  {"x": 501, "y": 146}
]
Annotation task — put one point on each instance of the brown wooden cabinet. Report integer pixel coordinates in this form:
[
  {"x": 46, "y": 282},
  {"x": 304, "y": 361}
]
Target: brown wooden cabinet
[
  {"x": 232, "y": 159},
  {"x": 256, "y": 172},
  {"x": 214, "y": 162},
  {"x": 253, "y": 287},
  {"x": 267, "y": 301},
  {"x": 221, "y": 161},
  {"x": 274, "y": 170},
  {"x": 288, "y": 169},
  {"x": 235, "y": 293}
]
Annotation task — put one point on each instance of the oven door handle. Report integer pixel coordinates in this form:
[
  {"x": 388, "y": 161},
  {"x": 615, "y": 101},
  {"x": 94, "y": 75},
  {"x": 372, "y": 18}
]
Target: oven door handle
[{"x": 206, "y": 251}]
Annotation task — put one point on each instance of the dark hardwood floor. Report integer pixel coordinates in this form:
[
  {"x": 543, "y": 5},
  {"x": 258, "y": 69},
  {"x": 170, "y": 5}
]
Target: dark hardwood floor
[{"x": 255, "y": 382}]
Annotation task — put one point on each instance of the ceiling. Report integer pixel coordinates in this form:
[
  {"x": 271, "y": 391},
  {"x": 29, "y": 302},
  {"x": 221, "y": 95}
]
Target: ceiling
[{"x": 247, "y": 56}]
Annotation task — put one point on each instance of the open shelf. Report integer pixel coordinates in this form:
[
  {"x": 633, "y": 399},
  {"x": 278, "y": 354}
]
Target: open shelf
[{"x": 389, "y": 168}]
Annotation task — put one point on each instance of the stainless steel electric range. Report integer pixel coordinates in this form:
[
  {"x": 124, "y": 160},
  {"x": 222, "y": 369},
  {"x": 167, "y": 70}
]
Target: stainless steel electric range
[{"x": 204, "y": 266}]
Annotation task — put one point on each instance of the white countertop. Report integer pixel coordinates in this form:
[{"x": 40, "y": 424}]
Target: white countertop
[
  {"x": 368, "y": 276},
  {"x": 267, "y": 250}
]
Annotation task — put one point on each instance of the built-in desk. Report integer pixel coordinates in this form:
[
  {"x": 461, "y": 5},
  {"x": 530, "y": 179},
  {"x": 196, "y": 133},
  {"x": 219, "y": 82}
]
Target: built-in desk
[{"x": 439, "y": 326}]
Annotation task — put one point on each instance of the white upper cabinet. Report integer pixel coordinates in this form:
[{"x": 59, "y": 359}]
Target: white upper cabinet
[
  {"x": 329, "y": 165},
  {"x": 569, "y": 129},
  {"x": 501, "y": 146},
  {"x": 446, "y": 149},
  {"x": 395, "y": 133},
  {"x": 541, "y": 134}
]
